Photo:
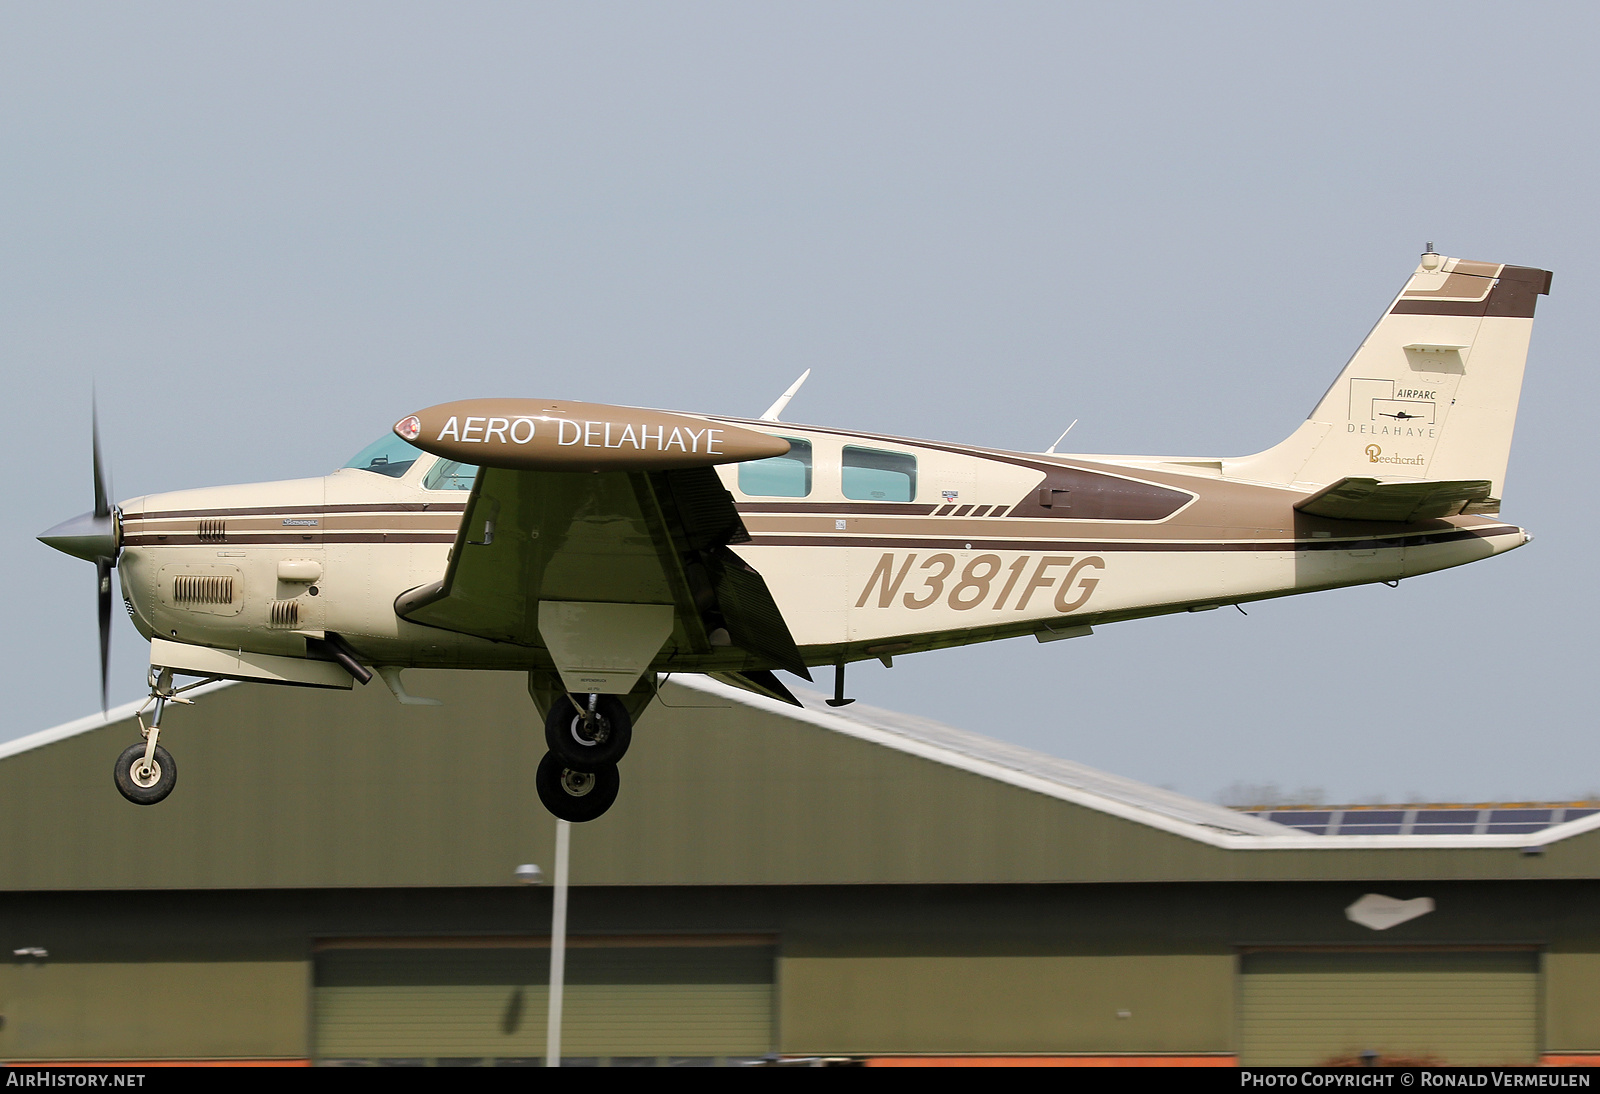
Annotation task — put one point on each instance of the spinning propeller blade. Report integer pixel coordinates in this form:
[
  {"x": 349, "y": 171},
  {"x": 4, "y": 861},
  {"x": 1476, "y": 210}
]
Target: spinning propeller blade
[
  {"x": 103, "y": 571},
  {"x": 94, "y": 538},
  {"x": 102, "y": 508}
]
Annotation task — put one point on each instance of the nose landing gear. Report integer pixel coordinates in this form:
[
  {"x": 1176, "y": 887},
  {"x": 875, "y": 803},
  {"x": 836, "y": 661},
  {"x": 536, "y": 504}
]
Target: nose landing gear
[{"x": 146, "y": 773}]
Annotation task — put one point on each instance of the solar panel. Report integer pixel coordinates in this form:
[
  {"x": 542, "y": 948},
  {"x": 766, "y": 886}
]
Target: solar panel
[
  {"x": 1441, "y": 821},
  {"x": 1520, "y": 816},
  {"x": 1374, "y": 816},
  {"x": 1306, "y": 820},
  {"x": 1349, "y": 828}
]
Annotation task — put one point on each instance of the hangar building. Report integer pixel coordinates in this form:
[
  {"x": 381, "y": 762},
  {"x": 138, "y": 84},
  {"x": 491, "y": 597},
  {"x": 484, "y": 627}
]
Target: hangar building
[{"x": 332, "y": 882}]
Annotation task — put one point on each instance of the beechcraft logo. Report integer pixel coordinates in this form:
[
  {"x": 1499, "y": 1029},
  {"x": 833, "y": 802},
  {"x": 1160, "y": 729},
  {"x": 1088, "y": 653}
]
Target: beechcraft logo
[{"x": 1375, "y": 455}]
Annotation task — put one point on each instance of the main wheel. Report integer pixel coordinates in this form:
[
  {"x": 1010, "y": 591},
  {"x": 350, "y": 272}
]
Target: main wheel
[
  {"x": 145, "y": 785},
  {"x": 573, "y": 795},
  {"x": 588, "y": 744}
]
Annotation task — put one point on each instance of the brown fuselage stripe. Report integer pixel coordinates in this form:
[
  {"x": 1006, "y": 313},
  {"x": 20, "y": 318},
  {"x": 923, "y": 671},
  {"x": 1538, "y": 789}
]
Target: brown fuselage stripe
[
  {"x": 294, "y": 538},
  {"x": 290, "y": 540},
  {"x": 293, "y": 510},
  {"x": 1134, "y": 546},
  {"x": 831, "y": 508}
]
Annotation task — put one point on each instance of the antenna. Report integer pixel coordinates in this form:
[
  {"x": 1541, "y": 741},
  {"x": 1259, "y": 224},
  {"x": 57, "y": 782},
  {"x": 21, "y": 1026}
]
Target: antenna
[
  {"x": 783, "y": 400},
  {"x": 1051, "y": 451}
]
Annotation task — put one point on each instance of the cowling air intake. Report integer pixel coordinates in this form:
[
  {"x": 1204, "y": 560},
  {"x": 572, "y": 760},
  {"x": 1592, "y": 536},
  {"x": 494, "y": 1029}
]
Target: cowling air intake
[{"x": 545, "y": 435}]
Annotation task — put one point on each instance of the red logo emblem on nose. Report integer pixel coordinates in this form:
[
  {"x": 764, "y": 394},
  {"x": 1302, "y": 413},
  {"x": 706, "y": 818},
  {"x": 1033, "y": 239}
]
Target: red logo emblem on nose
[{"x": 409, "y": 428}]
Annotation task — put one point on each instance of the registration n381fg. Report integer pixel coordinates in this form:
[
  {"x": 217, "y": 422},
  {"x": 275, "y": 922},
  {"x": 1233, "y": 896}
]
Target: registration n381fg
[{"x": 1068, "y": 579}]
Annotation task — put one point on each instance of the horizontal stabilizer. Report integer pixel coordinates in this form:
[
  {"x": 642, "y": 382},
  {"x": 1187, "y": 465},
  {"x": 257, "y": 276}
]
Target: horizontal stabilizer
[{"x": 1369, "y": 499}]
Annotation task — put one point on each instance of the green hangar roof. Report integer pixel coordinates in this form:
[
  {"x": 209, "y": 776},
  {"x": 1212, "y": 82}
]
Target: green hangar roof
[{"x": 297, "y": 788}]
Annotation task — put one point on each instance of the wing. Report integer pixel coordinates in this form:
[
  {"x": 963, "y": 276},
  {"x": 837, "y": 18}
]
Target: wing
[
  {"x": 1369, "y": 499},
  {"x": 615, "y": 538}
]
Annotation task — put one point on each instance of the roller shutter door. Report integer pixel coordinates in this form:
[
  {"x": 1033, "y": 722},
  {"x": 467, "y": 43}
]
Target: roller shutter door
[
  {"x": 1458, "y": 1007},
  {"x": 638, "y": 1003}
]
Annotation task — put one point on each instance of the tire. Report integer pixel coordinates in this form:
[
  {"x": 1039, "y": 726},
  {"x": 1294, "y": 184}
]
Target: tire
[
  {"x": 613, "y": 732},
  {"x": 150, "y": 787},
  {"x": 556, "y": 783}
]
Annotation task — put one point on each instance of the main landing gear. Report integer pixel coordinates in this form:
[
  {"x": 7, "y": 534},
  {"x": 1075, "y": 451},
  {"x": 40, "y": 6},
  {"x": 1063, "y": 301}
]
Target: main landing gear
[
  {"x": 587, "y": 735},
  {"x": 146, "y": 773},
  {"x": 575, "y": 795}
]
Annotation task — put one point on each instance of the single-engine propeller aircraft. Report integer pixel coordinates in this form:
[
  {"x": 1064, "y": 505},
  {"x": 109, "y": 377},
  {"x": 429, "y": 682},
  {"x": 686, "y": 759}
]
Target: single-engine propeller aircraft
[{"x": 598, "y": 547}]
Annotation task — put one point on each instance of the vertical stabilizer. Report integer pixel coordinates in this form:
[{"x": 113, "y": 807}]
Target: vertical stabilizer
[{"x": 1432, "y": 392}]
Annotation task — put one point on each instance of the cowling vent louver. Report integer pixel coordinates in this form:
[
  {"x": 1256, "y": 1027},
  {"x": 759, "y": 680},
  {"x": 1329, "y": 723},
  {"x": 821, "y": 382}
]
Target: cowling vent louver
[{"x": 202, "y": 589}]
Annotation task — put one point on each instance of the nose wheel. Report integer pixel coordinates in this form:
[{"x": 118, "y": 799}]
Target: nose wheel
[
  {"x": 574, "y": 795},
  {"x": 146, "y": 781}
]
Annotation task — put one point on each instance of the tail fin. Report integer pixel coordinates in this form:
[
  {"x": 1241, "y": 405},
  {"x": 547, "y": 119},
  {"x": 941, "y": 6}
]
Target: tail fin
[{"x": 1432, "y": 392}]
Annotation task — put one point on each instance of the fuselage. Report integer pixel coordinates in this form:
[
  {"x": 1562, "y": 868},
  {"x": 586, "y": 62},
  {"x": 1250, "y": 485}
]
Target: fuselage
[{"x": 871, "y": 546}]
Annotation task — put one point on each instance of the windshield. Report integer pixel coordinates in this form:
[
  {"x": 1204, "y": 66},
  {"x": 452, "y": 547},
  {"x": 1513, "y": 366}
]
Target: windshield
[
  {"x": 388, "y": 455},
  {"x": 449, "y": 475}
]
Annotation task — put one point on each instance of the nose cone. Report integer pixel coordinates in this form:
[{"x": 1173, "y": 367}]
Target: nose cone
[{"x": 88, "y": 537}]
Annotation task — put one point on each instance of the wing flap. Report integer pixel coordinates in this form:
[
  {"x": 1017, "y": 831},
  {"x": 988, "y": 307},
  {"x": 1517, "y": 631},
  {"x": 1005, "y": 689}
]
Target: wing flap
[
  {"x": 761, "y": 682},
  {"x": 752, "y": 616},
  {"x": 1369, "y": 499}
]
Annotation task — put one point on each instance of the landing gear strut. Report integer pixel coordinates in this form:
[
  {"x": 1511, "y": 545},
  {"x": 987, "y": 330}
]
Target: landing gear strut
[{"x": 146, "y": 773}]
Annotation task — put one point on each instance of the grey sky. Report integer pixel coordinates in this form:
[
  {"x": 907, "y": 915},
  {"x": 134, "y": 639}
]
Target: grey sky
[{"x": 268, "y": 230}]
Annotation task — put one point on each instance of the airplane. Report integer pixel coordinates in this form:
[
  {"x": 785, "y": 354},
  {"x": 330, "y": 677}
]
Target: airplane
[{"x": 599, "y": 548}]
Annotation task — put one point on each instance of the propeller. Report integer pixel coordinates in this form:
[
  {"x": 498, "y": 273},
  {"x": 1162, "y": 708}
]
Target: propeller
[{"x": 95, "y": 537}]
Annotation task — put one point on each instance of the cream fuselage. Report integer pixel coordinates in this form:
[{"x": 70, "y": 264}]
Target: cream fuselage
[{"x": 992, "y": 545}]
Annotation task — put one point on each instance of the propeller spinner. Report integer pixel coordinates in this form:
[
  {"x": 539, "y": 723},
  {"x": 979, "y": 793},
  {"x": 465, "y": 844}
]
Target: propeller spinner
[{"x": 96, "y": 537}]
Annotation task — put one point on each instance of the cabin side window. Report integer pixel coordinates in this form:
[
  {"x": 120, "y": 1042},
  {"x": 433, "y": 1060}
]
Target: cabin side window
[
  {"x": 871, "y": 474},
  {"x": 450, "y": 475},
  {"x": 786, "y": 476}
]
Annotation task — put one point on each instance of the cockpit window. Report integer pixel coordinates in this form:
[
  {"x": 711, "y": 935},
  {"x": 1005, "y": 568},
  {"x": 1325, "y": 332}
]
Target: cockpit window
[
  {"x": 388, "y": 455},
  {"x": 449, "y": 475}
]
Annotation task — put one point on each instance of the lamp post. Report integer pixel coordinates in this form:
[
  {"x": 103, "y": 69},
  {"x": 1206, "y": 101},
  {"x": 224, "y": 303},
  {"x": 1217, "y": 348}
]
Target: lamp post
[
  {"x": 558, "y": 946},
  {"x": 529, "y": 874}
]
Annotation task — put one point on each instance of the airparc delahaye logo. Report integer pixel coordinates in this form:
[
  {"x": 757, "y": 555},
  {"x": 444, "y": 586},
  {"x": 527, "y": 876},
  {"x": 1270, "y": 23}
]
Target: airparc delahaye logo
[{"x": 1385, "y": 409}]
